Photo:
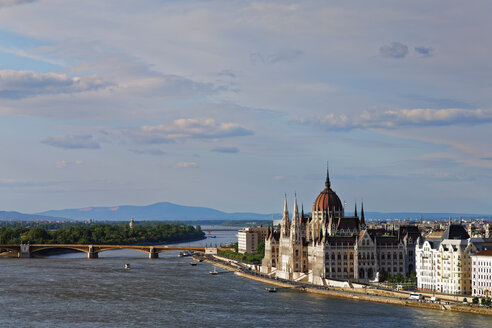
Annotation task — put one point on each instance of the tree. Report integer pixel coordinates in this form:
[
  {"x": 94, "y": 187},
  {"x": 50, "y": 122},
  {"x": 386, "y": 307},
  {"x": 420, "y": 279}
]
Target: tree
[
  {"x": 475, "y": 300},
  {"x": 260, "y": 249}
]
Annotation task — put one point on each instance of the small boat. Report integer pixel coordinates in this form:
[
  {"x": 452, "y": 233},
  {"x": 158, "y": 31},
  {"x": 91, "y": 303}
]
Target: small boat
[
  {"x": 193, "y": 263},
  {"x": 271, "y": 289},
  {"x": 212, "y": 236},
  {"x": 127, "y": 266},
  {"x": 213, "y": 272},
  {"x": 185, "y": 253}
]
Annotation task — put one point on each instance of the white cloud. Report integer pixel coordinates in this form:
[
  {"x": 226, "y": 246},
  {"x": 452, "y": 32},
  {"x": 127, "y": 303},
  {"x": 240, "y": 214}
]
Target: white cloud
[
  {"x": 406, "y": 117},
  {"x": 64, "y": 163},
  {"x": 190, "y": 128},
  {"x": 394, "y": 50},
  {"x": 186, "y": 165},
  {"x": 22, "y": 84},
  {"x": 78, "y": 141},
  {"x": 14, "y": 2}
]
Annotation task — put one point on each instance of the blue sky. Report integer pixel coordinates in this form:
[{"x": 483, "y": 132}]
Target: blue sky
[{"x": 231, "y": 104}]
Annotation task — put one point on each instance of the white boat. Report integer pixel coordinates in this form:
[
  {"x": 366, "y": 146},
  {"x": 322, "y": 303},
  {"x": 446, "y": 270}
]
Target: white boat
[
  {"x": 127, "y": 266},
  {"x": 213, "y": 272}
]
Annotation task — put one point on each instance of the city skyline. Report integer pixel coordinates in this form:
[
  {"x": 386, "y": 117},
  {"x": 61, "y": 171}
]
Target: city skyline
[{"x": 229, "y": 105}]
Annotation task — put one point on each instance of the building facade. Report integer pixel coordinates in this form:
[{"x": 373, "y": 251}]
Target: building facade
[
  {"x": 331, "y": 245},
  {"x": 445, "y": 266},
  {"x": 249, "y": 238},
  {"x": 482, "y": 273}
]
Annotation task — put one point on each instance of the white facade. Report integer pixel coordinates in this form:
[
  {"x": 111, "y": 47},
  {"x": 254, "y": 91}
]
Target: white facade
[
  {"x": 482, "y": 274},
  {"x": 249, "y": 238},
  {"x": 445, "y": 266}
]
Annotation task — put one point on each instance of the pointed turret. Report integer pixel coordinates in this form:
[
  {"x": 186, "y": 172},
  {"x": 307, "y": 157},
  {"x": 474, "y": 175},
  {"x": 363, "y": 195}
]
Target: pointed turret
[
  {"x": 285, "y": 226},
  {"x": 355, "y": 211},
  {"x": 327, "y": 182},
  {"x": 295, "y": 231},
  {"x": 362, "y": 219}
]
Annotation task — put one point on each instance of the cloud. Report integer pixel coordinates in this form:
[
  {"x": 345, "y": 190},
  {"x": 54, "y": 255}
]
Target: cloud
[
  {"x": 407, "y": 117},
  {"x": 227, "y": 150},
  {"x": 394, "y": 50},
  {"x": 23, "y": 84},
  {"x": 74, "y": 141},
  {"x": 186, "y": 165},
  {"x": 287, "y": 55},
  {"x": 190, "y": 128},
  {"x": 154, "y": 152},
  {"x": 278, "y": 178},
  {"x": 63, "y": 163},
  {"x": 424, "y": 51},
  {"x": 486, "y": 158},
  {"x": 5, "y": 3}
]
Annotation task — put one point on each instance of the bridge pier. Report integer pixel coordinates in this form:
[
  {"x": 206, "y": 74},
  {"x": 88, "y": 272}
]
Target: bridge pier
[
  {"x": 153, "y": 254},
  {"x": 91, "y": 254},
  {"x": 25, "y": 251}
]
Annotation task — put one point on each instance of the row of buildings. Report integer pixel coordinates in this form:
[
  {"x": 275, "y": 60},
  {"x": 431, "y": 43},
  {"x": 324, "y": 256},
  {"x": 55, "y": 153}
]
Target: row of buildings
[
  {"x": 455, "y": 263},
  {"x": 331, "y": 245}
]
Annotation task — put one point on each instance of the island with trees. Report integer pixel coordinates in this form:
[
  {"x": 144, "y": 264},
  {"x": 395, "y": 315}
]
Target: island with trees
[{"x": 101, "y": 233}]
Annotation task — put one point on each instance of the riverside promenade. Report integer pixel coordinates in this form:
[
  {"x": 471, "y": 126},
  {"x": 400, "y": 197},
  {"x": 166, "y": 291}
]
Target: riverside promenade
[{"x": 359, "y": 294}]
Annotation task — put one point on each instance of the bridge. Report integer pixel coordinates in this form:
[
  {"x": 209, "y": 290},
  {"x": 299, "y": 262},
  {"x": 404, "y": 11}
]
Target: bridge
[{"x": 28, "y": 250}]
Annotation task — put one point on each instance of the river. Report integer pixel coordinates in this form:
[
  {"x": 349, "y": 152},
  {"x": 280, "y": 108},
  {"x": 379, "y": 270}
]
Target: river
[{"x": 70, "y": 290}]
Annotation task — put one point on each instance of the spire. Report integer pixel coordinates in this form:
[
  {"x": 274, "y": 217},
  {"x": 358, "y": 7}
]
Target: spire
[
  {"x": 355, "y": 211},
  {"x": 285, "y": 203},
  {"x": 327, "y": 182},
  {"x": 362, "y": 219},
  {"x": 285, "y": 226},
  {"x": 295, "y": 233},
  {"x": 302, "y": 212}
]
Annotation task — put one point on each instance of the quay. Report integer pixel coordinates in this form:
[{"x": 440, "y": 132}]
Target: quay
[{"x": 369, "y": 294}]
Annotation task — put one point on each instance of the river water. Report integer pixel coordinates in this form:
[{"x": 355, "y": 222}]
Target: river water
[{"x": 72, "y": 291}]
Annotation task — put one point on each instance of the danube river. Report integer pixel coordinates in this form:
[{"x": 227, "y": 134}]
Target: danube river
[{"x": 72, "y": 291}]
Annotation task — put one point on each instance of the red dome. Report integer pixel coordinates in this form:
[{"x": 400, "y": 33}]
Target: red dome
[{"x": 328, "y": 200}]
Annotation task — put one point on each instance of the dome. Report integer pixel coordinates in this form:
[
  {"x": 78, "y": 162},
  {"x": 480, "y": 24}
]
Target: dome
[{"x": 328, "y": 200}]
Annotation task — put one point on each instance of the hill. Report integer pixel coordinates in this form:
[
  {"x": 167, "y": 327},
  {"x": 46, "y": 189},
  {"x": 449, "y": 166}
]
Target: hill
[{"x": 159, "y": 211}]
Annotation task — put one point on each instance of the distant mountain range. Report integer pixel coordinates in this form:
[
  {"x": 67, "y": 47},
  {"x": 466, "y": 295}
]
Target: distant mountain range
[
  {"x": 11, "y": 215},
  {"x": 166, "y": 211},
  {"x": 160, "y": 211}
]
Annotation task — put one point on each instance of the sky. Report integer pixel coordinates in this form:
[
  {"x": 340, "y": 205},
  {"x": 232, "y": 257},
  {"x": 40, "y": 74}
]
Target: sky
[{"x": 232, "y": 104}]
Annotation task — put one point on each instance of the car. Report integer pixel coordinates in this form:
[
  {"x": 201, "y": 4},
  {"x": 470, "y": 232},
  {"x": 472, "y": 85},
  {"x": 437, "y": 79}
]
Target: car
[
  {"x": 434, "y": 299},
  {"x": 415, "y": 296}
]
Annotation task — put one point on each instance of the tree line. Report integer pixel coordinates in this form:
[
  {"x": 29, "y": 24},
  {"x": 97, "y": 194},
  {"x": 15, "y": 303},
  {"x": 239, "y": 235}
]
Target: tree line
[{"x": 119, "y": 234}]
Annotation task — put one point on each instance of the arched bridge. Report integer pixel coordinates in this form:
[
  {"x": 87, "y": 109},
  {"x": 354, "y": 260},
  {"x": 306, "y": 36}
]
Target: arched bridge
[{"x": 27, "y": 250}]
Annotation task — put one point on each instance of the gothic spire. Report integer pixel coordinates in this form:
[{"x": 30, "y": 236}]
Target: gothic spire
[
  {"x": 327, "y": 182},
  {"x": 295, "y": 233},
  {"x": 355, "y": 211},
  {"x": 362, "y": 219},
  {"x": 285, "y": 226}
]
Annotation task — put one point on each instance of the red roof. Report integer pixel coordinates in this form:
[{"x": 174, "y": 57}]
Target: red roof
[{"x": 487, "y": 252}]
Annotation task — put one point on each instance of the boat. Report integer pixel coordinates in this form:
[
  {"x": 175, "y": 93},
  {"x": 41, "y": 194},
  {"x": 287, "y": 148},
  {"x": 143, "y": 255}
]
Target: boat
[
  {"x": 127, "y": 266},
  {"x": 271, "y": 289},
  {"x": 185, "y": 253},
  {"x": 212, "y": 236},
  {"x": 213, "y": 272},
  {"x": 193, "y": 263}
]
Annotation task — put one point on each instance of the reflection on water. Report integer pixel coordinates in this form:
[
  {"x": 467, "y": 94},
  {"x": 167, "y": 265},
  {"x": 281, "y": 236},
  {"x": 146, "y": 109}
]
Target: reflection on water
[{"x": 69, "y": 290}]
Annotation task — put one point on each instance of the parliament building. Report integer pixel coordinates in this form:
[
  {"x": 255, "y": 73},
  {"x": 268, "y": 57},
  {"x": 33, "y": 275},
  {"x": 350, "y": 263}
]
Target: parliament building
[{"x": 331, "y": 245}]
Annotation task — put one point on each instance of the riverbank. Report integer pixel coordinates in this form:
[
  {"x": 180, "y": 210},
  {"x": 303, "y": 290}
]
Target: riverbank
[{"x": 366, "y": 294}]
